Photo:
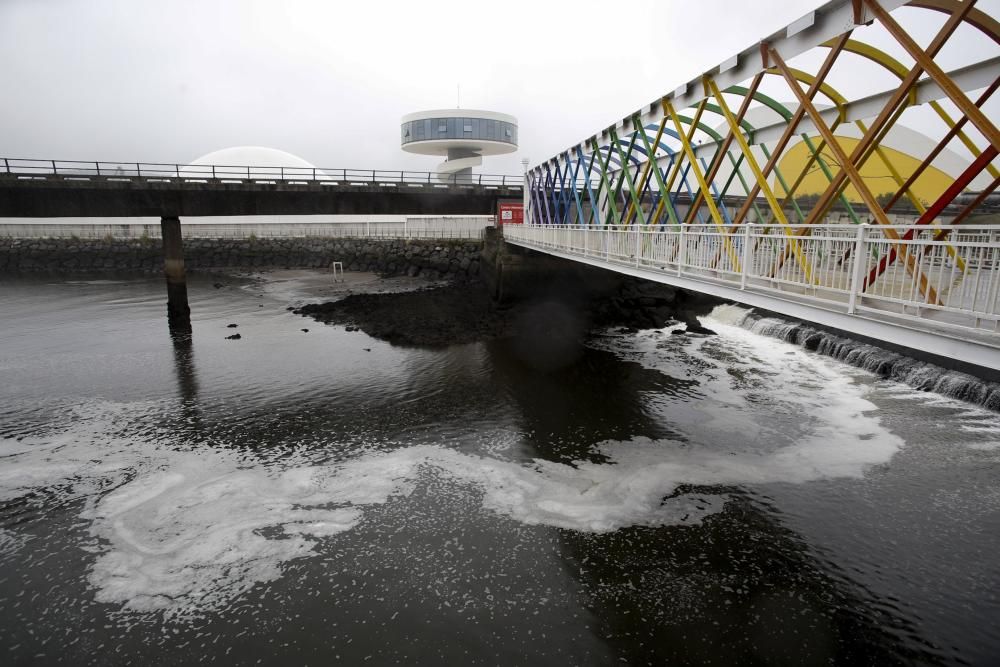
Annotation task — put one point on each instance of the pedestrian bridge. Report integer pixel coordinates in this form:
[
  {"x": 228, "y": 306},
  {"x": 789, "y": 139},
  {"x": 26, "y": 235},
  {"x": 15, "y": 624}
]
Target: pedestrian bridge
[
  {"x": 789, "y": 178},
  {"x": 817, "y": 277}
]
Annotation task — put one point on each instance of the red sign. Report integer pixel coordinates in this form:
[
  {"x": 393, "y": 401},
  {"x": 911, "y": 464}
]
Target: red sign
[{"x": 510, "y": 213}]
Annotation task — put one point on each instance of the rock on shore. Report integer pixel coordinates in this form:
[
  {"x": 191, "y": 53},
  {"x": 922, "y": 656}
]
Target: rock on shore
[
  {"x": 446, "y": 315},
  {"x": 431, "y": 259}
]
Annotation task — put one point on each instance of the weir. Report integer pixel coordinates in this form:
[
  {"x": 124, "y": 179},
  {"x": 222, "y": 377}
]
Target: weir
[{"x": 920, "y": 370}]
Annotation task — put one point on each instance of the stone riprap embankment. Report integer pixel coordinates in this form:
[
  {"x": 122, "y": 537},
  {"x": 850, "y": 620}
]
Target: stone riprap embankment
[{"x": 425, "y": 258}]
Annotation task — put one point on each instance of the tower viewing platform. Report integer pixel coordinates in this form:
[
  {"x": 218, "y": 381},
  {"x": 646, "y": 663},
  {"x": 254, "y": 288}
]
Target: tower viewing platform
[{"x": 461, "y": 136}]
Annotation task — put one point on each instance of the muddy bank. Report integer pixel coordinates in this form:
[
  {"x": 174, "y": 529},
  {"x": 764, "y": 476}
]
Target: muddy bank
[
  {"x": 464, "y": 313},
  {"x": 442, "y": 315}
]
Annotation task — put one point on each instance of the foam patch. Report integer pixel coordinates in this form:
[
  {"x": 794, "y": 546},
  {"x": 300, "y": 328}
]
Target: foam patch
[
  {"x": 183, "y": 533},
  {"x": 192, "y": 536}
]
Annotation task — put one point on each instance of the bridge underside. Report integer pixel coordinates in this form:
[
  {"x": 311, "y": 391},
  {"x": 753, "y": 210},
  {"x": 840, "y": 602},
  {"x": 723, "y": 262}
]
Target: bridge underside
[{"x": 60, "y": 197}]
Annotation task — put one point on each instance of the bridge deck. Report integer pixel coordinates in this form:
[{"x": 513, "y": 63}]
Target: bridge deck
[{"x": 69, "y": 195}]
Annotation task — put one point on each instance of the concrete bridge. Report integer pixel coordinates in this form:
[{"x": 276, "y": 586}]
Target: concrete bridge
[
  {"x": 53, "y": 188},
  {"x": 71, "y": 189}
]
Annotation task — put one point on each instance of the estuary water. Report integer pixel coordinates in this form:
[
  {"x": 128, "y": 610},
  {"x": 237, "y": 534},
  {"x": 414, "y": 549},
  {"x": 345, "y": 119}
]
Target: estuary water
[{"x": 318, "y": 497}]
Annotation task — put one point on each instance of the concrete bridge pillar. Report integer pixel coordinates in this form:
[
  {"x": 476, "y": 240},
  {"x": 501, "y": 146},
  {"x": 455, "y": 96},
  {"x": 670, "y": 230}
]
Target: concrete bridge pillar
[
  {"x": 178, "y": 311},
  {"x": 512, "y": 273}
]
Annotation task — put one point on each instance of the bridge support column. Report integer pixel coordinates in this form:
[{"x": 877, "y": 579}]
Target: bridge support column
[{"x": 178, "y": 311}]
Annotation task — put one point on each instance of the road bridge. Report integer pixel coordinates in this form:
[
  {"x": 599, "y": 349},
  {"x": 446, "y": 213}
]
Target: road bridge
[
  {"x": 54, "y": 188},
  {"x": 32, "y": 188},
  {"x": 692, "y": 190}
]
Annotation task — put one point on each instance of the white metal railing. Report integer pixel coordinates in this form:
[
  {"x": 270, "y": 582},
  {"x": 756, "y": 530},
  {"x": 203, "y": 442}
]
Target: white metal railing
[
  {"x": 946, "y": 274},
  {"x": 452, "y": 227}
]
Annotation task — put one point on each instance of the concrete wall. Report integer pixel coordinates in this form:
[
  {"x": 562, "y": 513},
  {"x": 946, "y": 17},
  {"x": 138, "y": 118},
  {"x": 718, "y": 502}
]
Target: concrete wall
[
  {"x": 429, "y": 258},
  {"x": 512, "y": 273}
]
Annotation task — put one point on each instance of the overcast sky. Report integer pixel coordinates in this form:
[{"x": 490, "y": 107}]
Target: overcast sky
[{"x": 328, "y": 81}]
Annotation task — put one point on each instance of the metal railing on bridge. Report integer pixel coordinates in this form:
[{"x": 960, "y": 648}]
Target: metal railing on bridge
[
  {"x": 948, "y": 275},
  {"x": 152, "y": 171}
]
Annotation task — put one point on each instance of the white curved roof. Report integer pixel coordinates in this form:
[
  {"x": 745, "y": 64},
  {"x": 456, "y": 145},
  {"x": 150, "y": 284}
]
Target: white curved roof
[{"x": 252, "y": 156}]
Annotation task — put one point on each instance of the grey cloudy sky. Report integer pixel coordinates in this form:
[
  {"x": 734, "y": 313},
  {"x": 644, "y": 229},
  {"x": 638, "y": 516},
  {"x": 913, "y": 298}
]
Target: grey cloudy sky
[{"x": 169, "y": 81}]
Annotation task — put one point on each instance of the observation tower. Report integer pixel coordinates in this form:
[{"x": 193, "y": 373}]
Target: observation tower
[{"x": 461, "y": 136}]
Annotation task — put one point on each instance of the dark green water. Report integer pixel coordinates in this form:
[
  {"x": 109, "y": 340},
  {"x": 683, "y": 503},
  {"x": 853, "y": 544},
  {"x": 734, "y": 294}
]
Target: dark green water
[{"x": 322, "y": 497}]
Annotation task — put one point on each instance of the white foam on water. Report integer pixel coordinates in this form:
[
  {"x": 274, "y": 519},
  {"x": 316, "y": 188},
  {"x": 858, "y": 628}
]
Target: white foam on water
[
  {"x": 95, "y": 282},
  {"x": 203, "y": 529},
  {"x": 200, "y": 532},
  {"x": 730, "y": 314},
  {"x": 186, "y": 532},
  {"x": 194, "y": 536},
  {"x": 755, "y": 394},
  {"x": 941, "y": 384},
  {"x": 10, "y": 541},
  {"x": 83, "y": 453},
  {"x": 29, "y": 463},
  {"x": 990, "y": 429}
]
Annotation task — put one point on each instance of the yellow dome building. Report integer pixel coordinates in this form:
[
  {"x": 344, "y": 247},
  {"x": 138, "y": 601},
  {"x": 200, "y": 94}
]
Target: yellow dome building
[{"x": 875, "y": 172}]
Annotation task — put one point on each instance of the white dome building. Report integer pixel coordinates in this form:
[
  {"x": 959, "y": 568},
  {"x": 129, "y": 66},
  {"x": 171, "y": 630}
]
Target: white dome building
[{"x": 252, "y": 162}]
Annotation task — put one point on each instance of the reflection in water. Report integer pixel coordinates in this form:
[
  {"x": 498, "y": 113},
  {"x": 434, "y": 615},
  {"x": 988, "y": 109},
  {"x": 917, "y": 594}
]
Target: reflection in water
[
  {"x": 597, "y": 397},
  {"x": 187, "y": 378},
  {"x": 181, "y": 338},
  {"x": 739, "y": 589},
  {"x": 666, "y": 596}
]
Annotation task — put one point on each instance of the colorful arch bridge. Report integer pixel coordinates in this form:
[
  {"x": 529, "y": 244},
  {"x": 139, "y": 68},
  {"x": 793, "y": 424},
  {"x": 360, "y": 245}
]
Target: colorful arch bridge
[{"x": 839, "y": 172}]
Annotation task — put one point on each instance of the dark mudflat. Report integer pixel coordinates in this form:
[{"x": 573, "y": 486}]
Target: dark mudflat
[{"x": 460, "y": 313}]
